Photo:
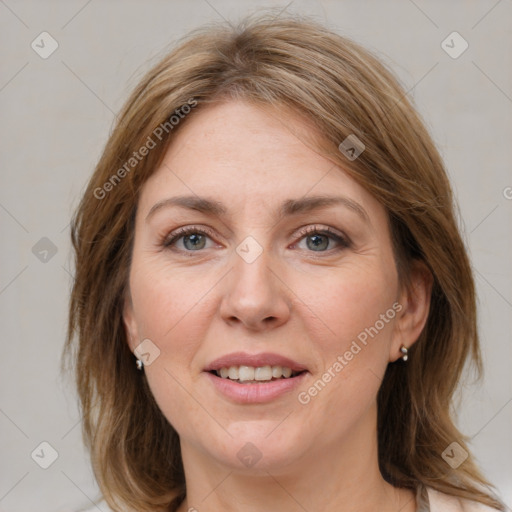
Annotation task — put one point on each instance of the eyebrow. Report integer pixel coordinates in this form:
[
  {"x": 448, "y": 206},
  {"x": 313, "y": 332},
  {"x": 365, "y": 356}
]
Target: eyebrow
[{"x": 289, "y": 207}]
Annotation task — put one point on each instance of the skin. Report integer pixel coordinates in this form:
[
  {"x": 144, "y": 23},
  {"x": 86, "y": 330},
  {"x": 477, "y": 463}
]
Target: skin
[{"x": 296, "y": 299}]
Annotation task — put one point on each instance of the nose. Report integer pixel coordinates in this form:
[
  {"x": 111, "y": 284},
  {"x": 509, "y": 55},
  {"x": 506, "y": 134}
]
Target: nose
[{"x": 255, "y": 295}]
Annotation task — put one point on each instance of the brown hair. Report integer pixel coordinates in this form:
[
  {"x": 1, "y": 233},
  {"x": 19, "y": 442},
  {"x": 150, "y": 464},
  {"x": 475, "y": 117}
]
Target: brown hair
[{"x": 341, "y": 89}]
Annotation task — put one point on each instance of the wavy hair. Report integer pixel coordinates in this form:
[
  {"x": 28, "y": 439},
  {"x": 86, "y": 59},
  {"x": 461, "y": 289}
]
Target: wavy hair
[{"x": 341, "y": 89}]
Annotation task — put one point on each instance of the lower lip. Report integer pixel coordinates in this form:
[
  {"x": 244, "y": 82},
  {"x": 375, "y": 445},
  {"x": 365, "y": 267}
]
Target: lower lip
[{"x": 255, "y": 393}]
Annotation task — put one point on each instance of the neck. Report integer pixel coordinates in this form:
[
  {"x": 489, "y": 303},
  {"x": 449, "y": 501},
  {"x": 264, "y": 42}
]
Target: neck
[{"x": 342, "y": 478}]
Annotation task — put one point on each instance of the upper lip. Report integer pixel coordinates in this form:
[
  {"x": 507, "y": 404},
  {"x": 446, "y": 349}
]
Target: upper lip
[{"x": 255, "y": 360}]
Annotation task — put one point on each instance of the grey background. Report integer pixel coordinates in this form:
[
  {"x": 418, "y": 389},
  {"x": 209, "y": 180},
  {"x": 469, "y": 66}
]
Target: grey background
[{"x": 57, "y": 114}]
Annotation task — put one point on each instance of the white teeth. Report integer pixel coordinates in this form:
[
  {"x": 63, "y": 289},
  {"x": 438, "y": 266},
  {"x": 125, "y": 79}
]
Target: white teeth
[
  {"x": 263, "y": 373},
  {"x": 277, "y": 371},
  {"x": 253, "y": 374},
  {"x": 245, "y": 373}
]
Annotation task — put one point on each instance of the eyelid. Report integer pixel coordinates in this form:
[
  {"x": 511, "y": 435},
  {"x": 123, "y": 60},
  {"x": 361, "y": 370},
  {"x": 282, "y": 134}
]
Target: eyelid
[
  {"x": 339, "y": 236},
  {"x": 185, "y": 230}
]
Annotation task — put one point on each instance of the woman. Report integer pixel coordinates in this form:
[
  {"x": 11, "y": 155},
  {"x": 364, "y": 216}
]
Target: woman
[{"x": 273, "y": 304}]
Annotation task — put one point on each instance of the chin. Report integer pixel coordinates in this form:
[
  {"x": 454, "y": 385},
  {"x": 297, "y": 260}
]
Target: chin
[{"x": 257, "y": 446}]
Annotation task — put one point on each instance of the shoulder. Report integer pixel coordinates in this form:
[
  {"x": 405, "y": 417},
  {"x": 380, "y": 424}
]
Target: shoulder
[{"x": 441, "y": 502}]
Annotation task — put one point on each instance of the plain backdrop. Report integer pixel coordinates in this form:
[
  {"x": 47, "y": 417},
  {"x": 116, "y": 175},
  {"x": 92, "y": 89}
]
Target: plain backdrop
[{"x": 57, "y": 113}]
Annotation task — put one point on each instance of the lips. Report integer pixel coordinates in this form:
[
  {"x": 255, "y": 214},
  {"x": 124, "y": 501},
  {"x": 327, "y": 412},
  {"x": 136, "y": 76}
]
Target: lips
[
  {"x": 254, "y": 378},
  {"x": 255, "y": 361}
]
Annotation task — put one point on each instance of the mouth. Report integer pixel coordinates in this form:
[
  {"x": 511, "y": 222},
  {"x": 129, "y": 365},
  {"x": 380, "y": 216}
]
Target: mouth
[
  {"x": 255, "y": 375},
  {"x": 256, "y": 378}
]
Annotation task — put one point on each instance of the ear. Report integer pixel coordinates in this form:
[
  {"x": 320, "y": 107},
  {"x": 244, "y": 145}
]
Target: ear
[
  {"x": 130, "y": 324},
  {"x": 415, "y": 302}
]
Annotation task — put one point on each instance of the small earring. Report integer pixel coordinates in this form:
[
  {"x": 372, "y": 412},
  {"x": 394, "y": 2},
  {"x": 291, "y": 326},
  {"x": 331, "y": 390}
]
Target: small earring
[
  {"x": 404, "y": 351},
  {"x": 140, "y": 364}
]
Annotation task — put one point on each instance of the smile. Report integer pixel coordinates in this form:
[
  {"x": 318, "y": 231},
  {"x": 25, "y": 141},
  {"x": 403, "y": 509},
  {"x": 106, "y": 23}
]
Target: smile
[
  {"x": 251, "y": 374},
  {"x": 254, "y": 378}
]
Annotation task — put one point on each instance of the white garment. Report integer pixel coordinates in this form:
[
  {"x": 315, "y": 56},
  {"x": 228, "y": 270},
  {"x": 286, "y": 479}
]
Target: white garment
[{"x": 439, "y": 502}]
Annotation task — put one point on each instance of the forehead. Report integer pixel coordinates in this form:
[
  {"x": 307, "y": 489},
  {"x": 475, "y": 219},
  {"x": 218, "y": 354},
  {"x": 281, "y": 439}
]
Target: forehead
[{"x": 246, "y": 155}]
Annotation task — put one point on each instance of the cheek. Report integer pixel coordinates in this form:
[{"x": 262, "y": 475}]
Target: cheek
[
  {"x": 348, "y": 302},
  {"x": 165, "y": 300},
  {"x": 352, "y": 340},
  {"x": 168, "y": 318},
  {"x": 171, "y": 309}
]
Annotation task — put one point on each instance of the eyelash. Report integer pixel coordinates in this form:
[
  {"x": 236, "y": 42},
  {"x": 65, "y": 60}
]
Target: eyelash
[{"x": 343, "y": 241}]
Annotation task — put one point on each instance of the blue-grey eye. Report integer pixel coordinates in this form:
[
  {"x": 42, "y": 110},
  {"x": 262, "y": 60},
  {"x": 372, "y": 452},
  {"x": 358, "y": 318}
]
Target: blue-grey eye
[
  {"x": 317, "y": 242},
  {"x": 196, "y": 240}
]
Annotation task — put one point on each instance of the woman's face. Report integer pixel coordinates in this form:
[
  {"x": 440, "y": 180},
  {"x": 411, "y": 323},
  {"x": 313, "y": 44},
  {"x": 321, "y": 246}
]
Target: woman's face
[{"x": 286, "y": 267}]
